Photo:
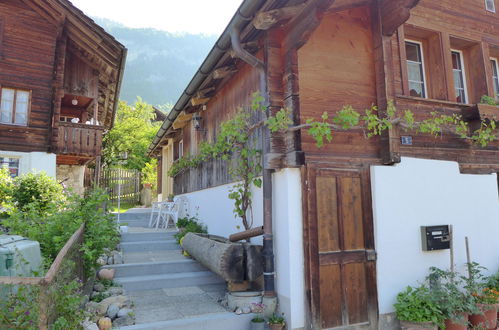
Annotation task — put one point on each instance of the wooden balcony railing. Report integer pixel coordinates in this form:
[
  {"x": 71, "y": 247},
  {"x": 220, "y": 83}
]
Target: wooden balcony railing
[{"x": 79, "y": 139}]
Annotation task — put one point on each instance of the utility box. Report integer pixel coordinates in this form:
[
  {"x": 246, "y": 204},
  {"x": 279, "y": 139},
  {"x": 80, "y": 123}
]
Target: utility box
[
  {"x": 19, "y": 256},
  {"x": 435, "y": 237}
]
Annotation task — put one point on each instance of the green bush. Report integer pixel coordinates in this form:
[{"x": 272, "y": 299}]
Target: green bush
[
  {"x": 53, "y": 231},
  {"x": 418, "y": 305},
  {"x": 189, "y": 225},
  {"x": 37, "y": 192}
]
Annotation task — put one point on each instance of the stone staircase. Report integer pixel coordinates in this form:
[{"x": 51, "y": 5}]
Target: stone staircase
[{"x": 169, "y": 291}]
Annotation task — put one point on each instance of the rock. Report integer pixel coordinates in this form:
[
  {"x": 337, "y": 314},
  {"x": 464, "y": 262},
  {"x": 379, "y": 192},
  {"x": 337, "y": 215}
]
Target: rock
[
  {"x": 110, "y": 260},
  {"x": 106, "y": 274},
  {"x": 246, "y": 310},
  {"x": 92, "y": 307},
  {"x": 89, "y": 325},
  {"x": 112, "y": 311},
  {"x": 125, "y": 312},
  {"x": 121, "y": 301},
  {"x": 115, "y": 291},
  {"x": 117, "y": 258},
  {"x": 99, "y": 287},
  {"x": 238, "y": 311},
  {"x": 123, "y": 321},
  {"x": 102, "y": 260},
  {"x": 105, "y": 323}
]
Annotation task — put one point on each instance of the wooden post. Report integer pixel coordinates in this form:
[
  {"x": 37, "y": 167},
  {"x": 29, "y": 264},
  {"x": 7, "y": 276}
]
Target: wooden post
[
  {"x": 96, "y": 112},
  {"x": 97, "y": 171},
  {"x": 43, "y": 303},
  {"x": 468, "y": 257},
  {"x": 451, "y": 234}
]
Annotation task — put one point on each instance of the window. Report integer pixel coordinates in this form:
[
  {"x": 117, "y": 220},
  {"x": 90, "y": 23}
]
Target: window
[
  {"x": 66, "y": 119},
  {"x": 490, "y": 5},
  {"x": 495, "y": 76},
  {"x": 12, "y": 164},
  {"x": 181, "y": 149},
  {"x": 459, "y": 76},
  {"x": 415, "y": 68},
  {"x": 14, "y": 106}
]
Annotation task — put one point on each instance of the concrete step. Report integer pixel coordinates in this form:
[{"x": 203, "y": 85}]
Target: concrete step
[
  {"x": 142, "y": 246},
  {"x": 157, "y": 268},
  {"x": 134, "y": 216},
  {"x": 176, "y": 280},
  {"x": 141, "y": 237},
  {"x": 215, "y": 321}
]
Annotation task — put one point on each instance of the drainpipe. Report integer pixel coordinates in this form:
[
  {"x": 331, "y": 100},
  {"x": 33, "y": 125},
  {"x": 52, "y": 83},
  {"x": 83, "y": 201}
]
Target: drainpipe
[{"x": 268, "y": 244}]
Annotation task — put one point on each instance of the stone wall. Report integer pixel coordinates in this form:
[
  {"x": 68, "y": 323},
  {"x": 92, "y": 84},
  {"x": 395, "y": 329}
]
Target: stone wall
[{"x": 73, "y": 176}]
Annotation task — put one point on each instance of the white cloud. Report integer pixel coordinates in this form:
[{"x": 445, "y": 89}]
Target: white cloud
[{"x": 176, "y": 16}]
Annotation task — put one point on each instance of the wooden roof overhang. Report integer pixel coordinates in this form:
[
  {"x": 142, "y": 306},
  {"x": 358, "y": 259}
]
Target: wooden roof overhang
[
  {"x": 253, "y": 18},
  {"x": 91, "y": 43}
]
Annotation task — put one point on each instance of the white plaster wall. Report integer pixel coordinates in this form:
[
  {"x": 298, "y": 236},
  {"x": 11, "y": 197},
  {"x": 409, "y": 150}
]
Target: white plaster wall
[
  {"x": 420, "y": 192},
  {"x": 33, "y": 161},
  {"x": 288, "y": 246},
  {"x": 214, "y": 208},
  {"x": 73, "y": 177}
]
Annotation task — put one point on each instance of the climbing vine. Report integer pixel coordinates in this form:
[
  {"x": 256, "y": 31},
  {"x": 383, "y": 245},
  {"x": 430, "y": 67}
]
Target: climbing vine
[{"x": 234, "y": 142}]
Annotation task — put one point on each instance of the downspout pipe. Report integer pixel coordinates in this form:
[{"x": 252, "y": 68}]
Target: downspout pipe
[{"x": 268, "y": 243}]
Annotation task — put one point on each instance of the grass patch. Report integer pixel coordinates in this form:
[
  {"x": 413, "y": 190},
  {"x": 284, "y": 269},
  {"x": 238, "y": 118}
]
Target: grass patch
[{"x": 123, "y": 207}]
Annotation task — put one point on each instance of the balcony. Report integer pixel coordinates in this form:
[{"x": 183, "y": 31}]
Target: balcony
[{"x": 79, "y": 140}]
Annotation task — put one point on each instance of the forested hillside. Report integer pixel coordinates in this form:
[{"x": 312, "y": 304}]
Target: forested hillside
[{"x": 159, "y": 64}]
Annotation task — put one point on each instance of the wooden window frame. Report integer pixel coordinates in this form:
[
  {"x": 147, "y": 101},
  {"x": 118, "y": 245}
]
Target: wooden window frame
[
  {"x": 487, "y": 8},
  {"x": 423, "y": 66},
  {"x": 14, "y": 105},
  {"x": 464, "y": 77},
  {"x": 495, "y": 78},
  {"x": 2, "y": 28}
]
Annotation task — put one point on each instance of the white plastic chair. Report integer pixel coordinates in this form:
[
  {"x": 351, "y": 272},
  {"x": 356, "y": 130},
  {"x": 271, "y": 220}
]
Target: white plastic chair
[
  {"x": 157, "y": 207},
  {"x": 163, "y": 215},
  {"x": 178, "y": 209}
]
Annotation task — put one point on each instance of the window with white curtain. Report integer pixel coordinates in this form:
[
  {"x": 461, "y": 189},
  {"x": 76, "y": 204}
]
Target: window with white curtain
[{"x": 14, "y": 106}]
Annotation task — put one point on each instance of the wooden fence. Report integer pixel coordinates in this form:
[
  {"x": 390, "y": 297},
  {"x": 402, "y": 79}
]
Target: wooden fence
[
  {"x": 116, "y": 181},
  {"x": 67, "y": 266}
]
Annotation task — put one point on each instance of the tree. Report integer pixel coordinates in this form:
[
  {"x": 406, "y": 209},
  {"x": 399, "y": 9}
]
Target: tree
[{"x": 133, "y": 131}]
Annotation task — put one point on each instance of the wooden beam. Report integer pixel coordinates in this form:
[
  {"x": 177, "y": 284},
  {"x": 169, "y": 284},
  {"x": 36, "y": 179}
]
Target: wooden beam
[
  {"x": 223, "y": 72},
  {"x": 395, "y": 13},
  {"x": 266, "y": 20},
  {"x": 199, "y": 101},
  {"x": 203, "y": 92}
]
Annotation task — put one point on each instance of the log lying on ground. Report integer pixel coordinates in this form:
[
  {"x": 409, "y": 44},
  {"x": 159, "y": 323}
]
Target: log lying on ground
[{"x": 218, "y": 254}]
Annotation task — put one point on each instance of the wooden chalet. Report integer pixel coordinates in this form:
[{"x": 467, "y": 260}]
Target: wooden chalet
[
  {"x": 319, "y": 55},
  {"x": 60, "y": 78}
]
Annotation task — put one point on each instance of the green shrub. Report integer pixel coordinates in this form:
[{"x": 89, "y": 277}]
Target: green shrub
[
  {"x": 37, "y": 192},
  {"x": 190, "y": 225},
  {"x": 418, "y": 305},
  {"x": 53, "y": 231}
]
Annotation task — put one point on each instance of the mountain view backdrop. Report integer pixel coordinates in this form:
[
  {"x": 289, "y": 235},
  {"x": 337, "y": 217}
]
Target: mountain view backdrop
[{"x": 159, "y": 64}]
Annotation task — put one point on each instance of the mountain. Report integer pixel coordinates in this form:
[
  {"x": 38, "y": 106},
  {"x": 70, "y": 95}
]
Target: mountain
[{"x": 159, "y": 64}]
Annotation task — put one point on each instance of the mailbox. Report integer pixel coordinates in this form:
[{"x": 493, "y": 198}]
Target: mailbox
[{"x": 435, "y": 237}]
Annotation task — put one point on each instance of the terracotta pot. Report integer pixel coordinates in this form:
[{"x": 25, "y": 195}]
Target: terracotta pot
[
  {"x": 406, "y": 325},
  {"x": 276, "y": 326},
  {"x": 457, "y": 325},
  {"x": 489, "y": 318},
  {"x": 147, "y": 185}
]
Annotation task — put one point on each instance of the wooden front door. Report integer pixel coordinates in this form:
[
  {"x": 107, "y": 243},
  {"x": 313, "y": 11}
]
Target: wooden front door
[{"x": 340, "y": 245}]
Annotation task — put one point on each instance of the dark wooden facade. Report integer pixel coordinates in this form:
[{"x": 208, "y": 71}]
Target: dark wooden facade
[
  {"x": 320, "y": 56},
  {"x": 72, "y": 69}
]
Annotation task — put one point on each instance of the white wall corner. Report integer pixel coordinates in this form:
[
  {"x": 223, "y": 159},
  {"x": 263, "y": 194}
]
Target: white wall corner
[
  {"x": 419, "y": 192},
  {"x": 288, "y": 245}
]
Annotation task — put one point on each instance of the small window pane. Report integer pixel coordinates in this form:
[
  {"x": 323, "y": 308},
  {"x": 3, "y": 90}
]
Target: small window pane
[
  {"x": 495, "y": 77},
  {"x": 412, "y": 51},
  {"x": 414, "y": 71},
  {"x": 12, "y": 164},
  {"x": 7, "y": 105},
  {"x": 458, "y": 72},
  {"x": 416, "y": 89},
  {"x": 490, "y": 5}
]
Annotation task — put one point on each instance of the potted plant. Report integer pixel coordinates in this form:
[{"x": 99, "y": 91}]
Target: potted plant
[
  {"x": 276, "y": 322},
  {"x": 257, "y": 322},
  {"x": 486, "y": 298},
  {"x": 454, "y": 303},
  {"x": 417, "y": 308},
  {"x": 170, "y": 197},
  {"x": 493, "y": 283}
]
